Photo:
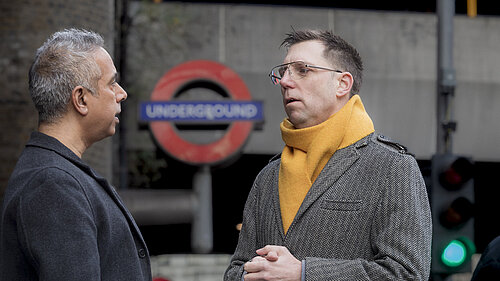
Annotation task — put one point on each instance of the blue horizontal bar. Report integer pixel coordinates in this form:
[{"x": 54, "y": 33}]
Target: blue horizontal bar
[{"x": 202, "y": 111}]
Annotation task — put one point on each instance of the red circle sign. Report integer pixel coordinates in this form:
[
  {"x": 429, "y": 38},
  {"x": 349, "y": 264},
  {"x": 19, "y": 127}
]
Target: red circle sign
[{"x": 166, "y": 134}]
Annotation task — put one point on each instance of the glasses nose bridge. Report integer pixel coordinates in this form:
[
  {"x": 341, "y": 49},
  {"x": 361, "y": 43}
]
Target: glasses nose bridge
[
  {"x": 279, "y": 73},
  {"x": 289, "y": 71}
]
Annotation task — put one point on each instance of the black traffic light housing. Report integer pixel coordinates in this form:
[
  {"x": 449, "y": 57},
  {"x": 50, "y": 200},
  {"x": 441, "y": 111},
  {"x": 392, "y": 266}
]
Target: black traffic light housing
[{"x": 452, "y": 206}]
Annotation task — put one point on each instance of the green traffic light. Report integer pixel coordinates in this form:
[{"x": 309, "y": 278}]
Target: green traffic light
[{"x": 454, "y": 254}]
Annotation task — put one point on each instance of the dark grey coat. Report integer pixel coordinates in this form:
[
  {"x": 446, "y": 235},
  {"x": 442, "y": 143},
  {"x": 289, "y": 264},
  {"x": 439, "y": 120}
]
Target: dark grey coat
[
  {"x": 366, "y": 217},
  {"x": 61, "y": 221}
]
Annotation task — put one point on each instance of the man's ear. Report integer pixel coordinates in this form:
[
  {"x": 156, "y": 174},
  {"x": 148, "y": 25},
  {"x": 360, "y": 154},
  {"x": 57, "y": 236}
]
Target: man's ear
[
  {"x": 79, "y": 97},
  {"x": 345, "y": 84}
]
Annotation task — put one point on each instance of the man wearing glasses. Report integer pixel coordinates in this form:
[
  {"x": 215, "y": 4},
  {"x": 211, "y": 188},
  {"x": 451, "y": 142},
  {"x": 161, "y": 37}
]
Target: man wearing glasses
[{"x": 340, "y": 202}]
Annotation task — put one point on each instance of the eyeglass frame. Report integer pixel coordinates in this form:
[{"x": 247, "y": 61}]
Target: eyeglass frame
[{"x": 278, "y": 79}]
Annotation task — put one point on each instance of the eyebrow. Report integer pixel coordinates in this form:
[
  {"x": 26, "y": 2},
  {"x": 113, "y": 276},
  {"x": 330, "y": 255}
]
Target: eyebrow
[{"x": 115, "y": 77}]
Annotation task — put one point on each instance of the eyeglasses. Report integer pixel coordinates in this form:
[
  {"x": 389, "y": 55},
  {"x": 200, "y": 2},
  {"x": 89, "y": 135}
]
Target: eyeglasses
[{"x": 296, "y": 69}]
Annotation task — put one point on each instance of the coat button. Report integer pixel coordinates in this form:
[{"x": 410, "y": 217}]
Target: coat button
[{"x": 142, "y": 253}]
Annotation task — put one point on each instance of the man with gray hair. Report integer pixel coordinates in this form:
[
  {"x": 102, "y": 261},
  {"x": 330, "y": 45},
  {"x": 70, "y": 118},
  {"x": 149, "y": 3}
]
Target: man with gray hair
[{"x": 60, "y": 220}]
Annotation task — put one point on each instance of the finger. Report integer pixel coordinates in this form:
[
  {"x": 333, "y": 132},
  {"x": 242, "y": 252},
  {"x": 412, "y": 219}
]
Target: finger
[
  {"x": 278, "y": 250},
  {"x": 258, "y": 259},
  {"x": 272, "y": 256},
  {"x": 252, "y": 276},
  {"x": 264, "y": 251},
  {"x": 255, "y": 265}
]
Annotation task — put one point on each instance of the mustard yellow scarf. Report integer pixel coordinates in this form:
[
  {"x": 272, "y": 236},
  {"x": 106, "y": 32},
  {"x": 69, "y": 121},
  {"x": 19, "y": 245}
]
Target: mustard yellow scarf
[{"x": 308, "y": 150}]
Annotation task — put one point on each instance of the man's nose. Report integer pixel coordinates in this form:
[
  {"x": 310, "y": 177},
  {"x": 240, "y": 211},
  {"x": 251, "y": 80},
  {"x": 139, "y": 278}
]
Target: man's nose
[
  {"x": 122, "y": 94},
  {"x": 286, "y": 80}
]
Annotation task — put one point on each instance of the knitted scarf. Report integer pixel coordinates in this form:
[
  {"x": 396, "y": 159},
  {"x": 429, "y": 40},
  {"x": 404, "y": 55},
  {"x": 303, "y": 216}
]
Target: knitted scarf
[{"x": 307, "y": 151}]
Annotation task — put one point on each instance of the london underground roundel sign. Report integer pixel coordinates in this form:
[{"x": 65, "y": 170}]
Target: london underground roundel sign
[{"x": 167, "y": 135}]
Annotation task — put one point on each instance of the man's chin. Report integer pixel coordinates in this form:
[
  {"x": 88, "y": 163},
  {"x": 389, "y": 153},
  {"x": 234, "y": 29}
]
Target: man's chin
[{"x": 111, "y": 133}]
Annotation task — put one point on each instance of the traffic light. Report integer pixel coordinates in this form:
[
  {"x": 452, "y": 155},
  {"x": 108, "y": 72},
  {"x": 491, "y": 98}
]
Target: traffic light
[{"x": 452, "y": 205}]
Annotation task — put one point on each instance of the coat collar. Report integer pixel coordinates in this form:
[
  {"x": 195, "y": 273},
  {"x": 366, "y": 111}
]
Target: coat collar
[{"x": 44, "y": 141}]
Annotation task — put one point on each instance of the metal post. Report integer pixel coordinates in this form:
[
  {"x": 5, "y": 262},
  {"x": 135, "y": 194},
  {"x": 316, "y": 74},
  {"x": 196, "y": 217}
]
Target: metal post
[
  {"x": 445, "y": 85},
  {"x": 446, "y": 76},
  {"x": 120, "y": 49},
  {"x": 159, "y": 207},
  {"x": 202, "y": 229}
]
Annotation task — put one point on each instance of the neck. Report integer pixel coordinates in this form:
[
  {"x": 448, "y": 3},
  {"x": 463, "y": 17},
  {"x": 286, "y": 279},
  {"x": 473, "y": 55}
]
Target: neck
[{"x": 67, "y": 134}]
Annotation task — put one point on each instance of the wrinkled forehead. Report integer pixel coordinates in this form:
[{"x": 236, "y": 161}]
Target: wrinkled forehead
[{"x": 307, "y": 51}]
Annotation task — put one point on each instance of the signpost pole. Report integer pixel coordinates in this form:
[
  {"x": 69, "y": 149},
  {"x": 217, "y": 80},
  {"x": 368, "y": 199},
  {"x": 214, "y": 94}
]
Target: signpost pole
[
  {"x": 202, "y": 228},
  {"x": 446, "y": 77}
]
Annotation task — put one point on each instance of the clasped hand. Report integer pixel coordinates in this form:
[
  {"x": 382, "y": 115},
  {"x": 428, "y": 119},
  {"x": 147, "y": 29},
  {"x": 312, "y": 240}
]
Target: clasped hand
[{"x": 273, "y": 263}]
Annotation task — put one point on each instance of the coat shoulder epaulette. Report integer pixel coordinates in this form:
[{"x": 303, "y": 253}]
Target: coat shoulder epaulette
[{"x": 399, "y": 147}]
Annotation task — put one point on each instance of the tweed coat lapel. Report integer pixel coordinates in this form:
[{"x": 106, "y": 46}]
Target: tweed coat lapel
[
  {"x": 338, "y": 164},
  {"x": 276, "y": 202}
]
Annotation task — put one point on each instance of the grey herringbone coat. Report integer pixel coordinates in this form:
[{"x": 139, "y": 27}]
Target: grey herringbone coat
[{"x": 366, "y": 217}]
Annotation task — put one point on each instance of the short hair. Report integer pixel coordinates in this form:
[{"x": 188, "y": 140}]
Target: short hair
[
  {"x": 64, "y": 61},
  {"x": 342, "y": 54}
]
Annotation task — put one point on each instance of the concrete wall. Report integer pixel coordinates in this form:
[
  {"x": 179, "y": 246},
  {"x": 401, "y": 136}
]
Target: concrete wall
[
  {"x": 400, "y": 57},
  {"x": 399, "y": 51},
  {"x": 24, "y": 26}
]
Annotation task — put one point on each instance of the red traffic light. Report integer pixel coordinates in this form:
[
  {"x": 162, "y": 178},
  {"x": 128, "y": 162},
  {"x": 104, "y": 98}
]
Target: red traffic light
[
  {"x": 458, "y": 172},
  {"x": 457, "y": 214}
]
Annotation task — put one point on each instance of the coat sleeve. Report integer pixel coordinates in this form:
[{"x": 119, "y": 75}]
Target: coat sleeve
[
  {"x": 488, "y": 267},
  {"x": 58, "y": 230},
  {"x": 401, "y": 233},
  {"x": 247, "y": 241}
]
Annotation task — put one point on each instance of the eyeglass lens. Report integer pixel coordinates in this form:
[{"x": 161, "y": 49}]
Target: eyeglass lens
[{"x": 297, "y": 70}]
